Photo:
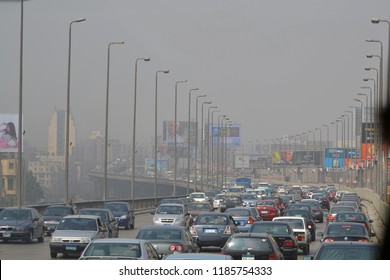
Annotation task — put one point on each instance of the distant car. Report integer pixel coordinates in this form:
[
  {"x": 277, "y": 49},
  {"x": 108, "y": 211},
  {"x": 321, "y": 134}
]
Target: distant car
[
  {"x": 311, "y": 225},
  {"x": 169, "y": 240},
  {"x": 348, "y": 250},
  {"x": 123, "y": 213},
  {"x": 53, "y": 214},
  {"x": 172, "y": 214},
  {"x": 230, "y": 201},
  {"x": 252, "y": 246},
  {"x": 196, "y": 208},
  {"x": 323, "y": 199},
  {"x": 300, "y": 230},
  {"x": 198, "y": 196},
  {"x": 283, "y": 234},
  {"x": 244, "y": 217},
  {"x": 352, "y": 203},
  {"x": 338, "y": 209},
  {"x": 268, "y": 209},
  {"x": 198, "y": 256},
  {"x": 316, "y": 208},
  {"x": 213, "y": 229},
  {"x": 119, "y": 249},
  {"x": 248, "y": 199},
  {"x": 355, "y": 217},
  {"x": 24, "y": 224},
  {"x": 217, "y": 201},
  {"x": 171, "y": 200},
  {"x": 75, "y": 232},
  {"x": 107, "y": 217},
  {"x": 345, "y": 231}
]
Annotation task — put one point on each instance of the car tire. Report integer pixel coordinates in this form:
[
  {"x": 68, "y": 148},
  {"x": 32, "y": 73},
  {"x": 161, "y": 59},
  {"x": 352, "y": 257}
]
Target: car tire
[
  {"x": 53, "y": 255},
  {"x": 29, "y": 238},
  {"x": 42, "y": 237},
  {"x": 132, "y": 226}
]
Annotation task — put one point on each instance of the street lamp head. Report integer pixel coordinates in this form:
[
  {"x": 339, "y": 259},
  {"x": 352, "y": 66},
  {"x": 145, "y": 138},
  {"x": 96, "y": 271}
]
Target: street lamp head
[
  {"x": 366, "y": 79},
  {"x": 195, "y": 89},
  {"x": 367, "y": 68},
  {"x": 80, "y": 20},
  {"x": 146, "y": 59},
  {"x": 369, "y": 55},
  {"x": 375, "y": 20}
]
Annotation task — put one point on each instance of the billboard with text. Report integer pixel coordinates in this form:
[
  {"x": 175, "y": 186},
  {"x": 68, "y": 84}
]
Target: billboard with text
[{"x": 231, "y": 133}]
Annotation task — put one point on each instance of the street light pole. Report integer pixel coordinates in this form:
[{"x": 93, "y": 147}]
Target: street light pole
[
  {"x": 67, "y": 113},
  {"x": 175, "y": 131},
  {"x": 134, "y": 128},
  {"x": 219, "y": 146},
  {"x": 201, "y": 145},
  {"x": 155, "y": 135},
  {"x": 208, "y": 143},
  {"x": 189, "y": 140},
  {"x": 212, "y": 145},
  {"x": 106, "y": 130},
  {"x": 196, "y": 139}
]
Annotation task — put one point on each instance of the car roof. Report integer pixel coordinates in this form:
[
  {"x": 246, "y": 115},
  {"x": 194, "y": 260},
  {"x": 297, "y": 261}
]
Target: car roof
[
  {"x": 117, "y": 240},
  {"x": 350, "y": 243},
  {"x": 162, "y": 227},
  {"x": 249, "y": 234},
  {"x": 289, "y": 218},
  {"x": 96, "y": 209},
  {"x": 82, "y": 216},
  {"x": 197, "y": 256},
  {"x": 171, "y": 204}
]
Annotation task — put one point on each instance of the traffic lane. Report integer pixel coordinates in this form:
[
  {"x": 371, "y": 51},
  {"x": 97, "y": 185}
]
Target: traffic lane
[{"x": 17, "y": 250}]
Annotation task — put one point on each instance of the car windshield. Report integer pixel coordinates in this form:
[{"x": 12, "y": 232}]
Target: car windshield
[
  {"x": 57, "y": 211},
  {"x": 117, "y": 207},
  {"x": 249, "y": 243},
  {"x": 159, "y": 234},
  {"x": 198, "y": 207},
  {"x": 211, "y": 220},
  {"x": 102, "y": 214},
  {"x": 294, "y": 224},
  {"x": 130, "y": 250},
  {"x": 238, "y": 212},
  {"x": 197, "y": 195},
  {"x": 248, "y": 196},
  {"x": 78, "y": 224},
  {"x": 165, "y": 209},
  {"x": 266, "y": 203},
  {"x": 339, "y": 209},
  {"x": 350, "y": 217},
  {"x": 270, "y": 228},
  {"x": 345, "y": 230},
  {"x": 349, "y": 253},
  {"x": 15, "y": 214}
]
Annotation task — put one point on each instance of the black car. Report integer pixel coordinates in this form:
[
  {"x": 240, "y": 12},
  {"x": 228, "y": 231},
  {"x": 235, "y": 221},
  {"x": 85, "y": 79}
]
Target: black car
[
  {"x": 23, "y": 224},
  {"x": 107, "y": 217},
  {"x": 230, "y": 201},
  {"x": 53, "y": 214},
  {"x": 252, "y": 246},
  {"x": 316, "y": 208},
  {"x": 123, "y": 213},
  {"x": 345, "y": 231},
  {"x": 283, "y": 234},
  {"x": 323, "y": 199}
]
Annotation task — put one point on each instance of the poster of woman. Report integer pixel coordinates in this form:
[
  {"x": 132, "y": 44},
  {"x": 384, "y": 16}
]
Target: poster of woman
[{"x": 8, "y": 133}]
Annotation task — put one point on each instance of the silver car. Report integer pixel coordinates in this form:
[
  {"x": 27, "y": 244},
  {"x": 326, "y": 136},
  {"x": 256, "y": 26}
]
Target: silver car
[
  {"x": 75, "y": 232},
  {"x": 172, "y": 214}
]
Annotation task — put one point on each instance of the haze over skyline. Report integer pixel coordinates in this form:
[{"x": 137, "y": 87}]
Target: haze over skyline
[{"x": 274, "y": 67}]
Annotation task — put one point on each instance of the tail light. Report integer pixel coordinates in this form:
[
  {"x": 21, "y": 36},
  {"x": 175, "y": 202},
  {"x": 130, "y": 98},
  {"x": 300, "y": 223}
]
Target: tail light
[
  {"x": 288, "y": 243},
  {"x": 363, "y": 240},
  {"x": 328, "y": 240},
  {"x": 330, "y": 218},
  {"x": 193, "y": 231},
  {"x": 273, "y": 256},
  {"x": 301, "y": 237},
  {"x": 175, "y": 247},
  {"x": 250, "y": 220},
  {"x": 228, "y": 230}
]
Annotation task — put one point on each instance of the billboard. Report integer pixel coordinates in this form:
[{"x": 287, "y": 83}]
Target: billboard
[
  {"x": 232, "y": 134},
  {"x": 296, "y": 157},
  {"x": 162, "y": 164},
  {"x": 181, "y": 137},
  {"x": 368, "y": 132},
  {"x": 9, "y": 126},
  {"x": 249, "y": 161}
]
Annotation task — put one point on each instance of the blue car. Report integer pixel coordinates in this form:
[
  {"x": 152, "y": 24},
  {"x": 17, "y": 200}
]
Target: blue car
[
  {"x": 123, "y": 213},
  {"x": 244, "y": 217}
]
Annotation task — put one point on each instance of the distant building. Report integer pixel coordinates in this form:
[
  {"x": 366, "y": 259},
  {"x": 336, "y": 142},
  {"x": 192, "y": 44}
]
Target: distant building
[{"x": 57, "y": 134}]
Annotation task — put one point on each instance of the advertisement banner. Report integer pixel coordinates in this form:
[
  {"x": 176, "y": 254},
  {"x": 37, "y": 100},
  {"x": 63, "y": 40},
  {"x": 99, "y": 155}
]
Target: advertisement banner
[
  {"x": 368, "y": 151},
  {"x": 297, "y": 157},
  {"x": 334, "y": 163},
  {"x": 9, "y": 126},
  {"x": 181, "y": 137},
  {"x": 231, "y": 133},
  {"x": 162, "y": 165}
]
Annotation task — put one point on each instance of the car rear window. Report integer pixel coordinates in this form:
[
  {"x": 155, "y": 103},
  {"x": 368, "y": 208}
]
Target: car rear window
[
  {"x": 270, "y": 228},
  {"x": 238, "y": 212},
  {"x": 245, "y": 243},
  {"x": 211, "y": 220}
]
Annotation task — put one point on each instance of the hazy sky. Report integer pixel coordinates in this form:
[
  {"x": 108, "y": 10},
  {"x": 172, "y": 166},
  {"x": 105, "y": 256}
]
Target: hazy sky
[{"x": 276, "y": 67}]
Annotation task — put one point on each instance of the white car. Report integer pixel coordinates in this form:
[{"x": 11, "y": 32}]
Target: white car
[
  {"x": 217, "y": 200},
  {"x": 198, "y": 196},
  {"x": 301, "y": 232}
]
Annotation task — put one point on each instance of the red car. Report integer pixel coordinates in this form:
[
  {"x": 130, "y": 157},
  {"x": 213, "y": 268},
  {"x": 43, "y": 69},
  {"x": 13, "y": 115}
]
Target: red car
[{"x": 268, "y": 209}]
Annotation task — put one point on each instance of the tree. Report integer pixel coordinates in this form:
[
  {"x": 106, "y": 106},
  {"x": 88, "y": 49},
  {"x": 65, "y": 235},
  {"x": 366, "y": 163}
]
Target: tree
[{"x": 32, "y": 188}]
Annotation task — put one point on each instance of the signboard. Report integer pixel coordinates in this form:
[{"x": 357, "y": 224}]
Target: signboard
[
  {"x": 162, "y": 165},
  {"x": 8, "y": 133},
  {"x": 334, "y": 163},
  {"x": 297, "y": 157},
  {"x": 368, "y": 132},
  {"x": 181, "y": 137},
  {"x": 231, "y": 133}
]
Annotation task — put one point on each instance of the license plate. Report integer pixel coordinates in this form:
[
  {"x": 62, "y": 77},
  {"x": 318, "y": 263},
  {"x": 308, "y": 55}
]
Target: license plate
[
  {"x": 71, "y": 248},
  {"x": 264, "y": 211},
  {"x": 248, "y": 257},
  {"x": 210, "y": 230},
  {"x": 6, "y": 234}
]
